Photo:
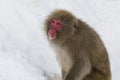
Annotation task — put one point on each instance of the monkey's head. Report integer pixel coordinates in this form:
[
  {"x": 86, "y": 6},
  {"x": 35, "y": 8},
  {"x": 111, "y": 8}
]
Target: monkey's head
[{"x": 60, "y": 25}]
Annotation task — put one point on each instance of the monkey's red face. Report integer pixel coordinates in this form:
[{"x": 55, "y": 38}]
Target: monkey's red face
[{"x": 55, "y": 26}]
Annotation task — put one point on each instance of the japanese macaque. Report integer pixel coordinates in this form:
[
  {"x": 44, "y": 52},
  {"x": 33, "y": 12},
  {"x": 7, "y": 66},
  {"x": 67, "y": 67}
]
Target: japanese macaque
[{"x": 79, "y": 49}]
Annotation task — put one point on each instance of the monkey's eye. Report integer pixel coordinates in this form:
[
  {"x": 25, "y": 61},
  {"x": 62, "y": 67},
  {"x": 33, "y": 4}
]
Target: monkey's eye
[
  {"x": 58, "y": 23},
  {"x": 53, "y": 22}
]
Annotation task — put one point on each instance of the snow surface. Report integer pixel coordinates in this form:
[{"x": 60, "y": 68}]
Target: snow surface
[{"x": 24, "y": 51}]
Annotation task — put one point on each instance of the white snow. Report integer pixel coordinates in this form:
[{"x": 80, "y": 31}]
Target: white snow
[{"x": 24, "y": 51}]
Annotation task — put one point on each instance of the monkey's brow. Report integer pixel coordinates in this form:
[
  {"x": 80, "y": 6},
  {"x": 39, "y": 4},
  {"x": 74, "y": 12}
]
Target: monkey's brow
[{"x": 60, "y": 16}]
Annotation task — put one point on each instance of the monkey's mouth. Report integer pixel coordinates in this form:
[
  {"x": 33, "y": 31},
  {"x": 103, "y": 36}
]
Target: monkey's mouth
[{"x": 52, "y": 33}]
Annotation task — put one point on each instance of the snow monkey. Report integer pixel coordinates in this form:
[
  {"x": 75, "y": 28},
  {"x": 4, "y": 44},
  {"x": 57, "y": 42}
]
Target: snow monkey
[{"x": 79, "y": 49}]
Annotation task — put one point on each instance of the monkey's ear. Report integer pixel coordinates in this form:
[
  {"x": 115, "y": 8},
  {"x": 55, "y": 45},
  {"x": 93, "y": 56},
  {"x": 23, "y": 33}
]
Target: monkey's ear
[{"x": 76, "y": 24}]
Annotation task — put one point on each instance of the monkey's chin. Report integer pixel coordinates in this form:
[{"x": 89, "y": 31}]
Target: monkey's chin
[{"x": 51, "y": 37}]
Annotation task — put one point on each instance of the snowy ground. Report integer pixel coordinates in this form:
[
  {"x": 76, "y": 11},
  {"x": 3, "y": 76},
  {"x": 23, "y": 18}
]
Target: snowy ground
[{"x": 24, "y": 50}]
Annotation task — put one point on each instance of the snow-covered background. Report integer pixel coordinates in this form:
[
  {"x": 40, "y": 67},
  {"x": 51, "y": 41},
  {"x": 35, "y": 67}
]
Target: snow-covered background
[{"x": 24, "y": 50}]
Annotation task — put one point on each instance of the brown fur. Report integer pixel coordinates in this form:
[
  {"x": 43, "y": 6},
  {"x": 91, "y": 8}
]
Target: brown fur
[{"x": 80, "y": 51}]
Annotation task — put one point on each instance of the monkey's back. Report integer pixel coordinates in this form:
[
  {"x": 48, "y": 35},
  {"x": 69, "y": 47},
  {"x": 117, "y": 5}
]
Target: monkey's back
[{"x": 88, "y": 43}]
